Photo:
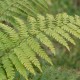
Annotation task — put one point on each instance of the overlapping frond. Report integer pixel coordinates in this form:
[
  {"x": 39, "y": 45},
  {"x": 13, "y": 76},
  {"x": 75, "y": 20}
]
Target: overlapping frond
[
  {"x": 20, "y": 8},
  {"x": 8, "y": 67},
  {"x": 2, "y": 74},
  {"x": 22, "y": 38}
]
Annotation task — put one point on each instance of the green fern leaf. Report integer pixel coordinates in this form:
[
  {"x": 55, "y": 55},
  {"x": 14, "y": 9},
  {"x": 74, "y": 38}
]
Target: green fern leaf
[
  {"x": 23, "y": 30},
  {"x": 8, "y": 67},
  {"x": 24, "y": 60},
  {"x": 31, "y": 55},
  {"x": 2, "y": 74},
  {"x": 18, "y": 65},
  {"x": 37, "y": 48},
  {"x": 43, "y": 38}
]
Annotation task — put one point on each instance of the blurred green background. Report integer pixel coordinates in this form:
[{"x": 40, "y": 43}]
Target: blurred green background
[{"x": 72, "y": 7}]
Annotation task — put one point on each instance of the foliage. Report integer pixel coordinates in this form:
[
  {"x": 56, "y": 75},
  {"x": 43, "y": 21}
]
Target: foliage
[
  {"x": 52, "y": 73},
  {"x": 64, "y": 58},
  {"x": 67, "y": 59},
  {"x": 24, "y": 32},
  {"x": 72, "y": 7}
]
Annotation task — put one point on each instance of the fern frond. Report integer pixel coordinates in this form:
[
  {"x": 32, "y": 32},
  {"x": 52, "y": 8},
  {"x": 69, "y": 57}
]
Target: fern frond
[
  {"x": 37, "y": 48},
  {"x": 5, "y": 42},
  {"x": 56, "y": 22},
  {"x": 39, "y": 35},
  {"x": 41, "y": 4},
  {"x": 23, "y": 31},
  {"x": 76, "y": 20},
  {"x": 57, "y": 37},
  {"x": 9, "y": 31},
  {"x": 24, "y": 60},
  {"x": 64, "y": 34},
  {"x": 61, "y": 30},
  {"x": 24, "y": 40},
  {"x": 2, "y": 74},
  {"x": 21, "y": 27},
  {"x": 44, "y": 39},
  {"x": 71, "y": 31},
  {"x": 31, "y": 55},
  {"x": 8, "y": 67},
  {"x": 18, "y": 65},
  {"x": 49, "y": 31},
  {"x": 19, "y": 7}
]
